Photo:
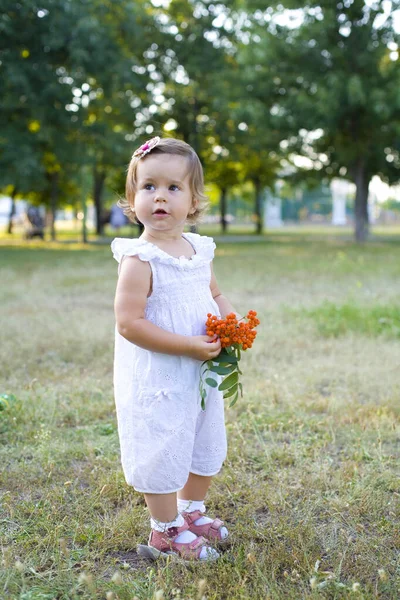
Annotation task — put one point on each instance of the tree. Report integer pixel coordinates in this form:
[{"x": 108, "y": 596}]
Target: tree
[
  {"x": 115, "y": 91},
  {"x": 20, "y": 169},
  {"x": 335, "y": 80},
  {"x": 209, "y": 104},
  {"x": 225, "y": 172},
  {"x": 256, "y": 139},
  {"x": 68, "y": 78},
  {"x": 36, "y": 62},
  {"x": 193, "y": 62}
]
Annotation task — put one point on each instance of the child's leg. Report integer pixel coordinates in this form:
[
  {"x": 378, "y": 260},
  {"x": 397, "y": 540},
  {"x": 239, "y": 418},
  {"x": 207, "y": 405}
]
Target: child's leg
[
  {"x": 164, "y": 513},
  {"x": 190, "y": 500},
  {"x": 195, "y": 488},
  {"x": 164, "y": 516},
  {"x": 162, "y": 507}
]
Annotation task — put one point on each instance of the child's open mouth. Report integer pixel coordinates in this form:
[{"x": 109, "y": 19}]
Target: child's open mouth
[{"x": 160, "y": 212}]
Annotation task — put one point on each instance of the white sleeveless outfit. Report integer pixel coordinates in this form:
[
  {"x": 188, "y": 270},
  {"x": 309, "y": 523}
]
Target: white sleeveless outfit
[{"x": 163, "y": 432}]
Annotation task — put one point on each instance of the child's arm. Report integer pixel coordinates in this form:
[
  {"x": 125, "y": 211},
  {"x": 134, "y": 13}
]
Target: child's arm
[
  {"x": 130, "y": 302},
  {"x": 224, "y": 305}
]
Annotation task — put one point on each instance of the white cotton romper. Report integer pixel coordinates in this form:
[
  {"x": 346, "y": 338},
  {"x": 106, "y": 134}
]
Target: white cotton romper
[{"x": 164, "y": 434}]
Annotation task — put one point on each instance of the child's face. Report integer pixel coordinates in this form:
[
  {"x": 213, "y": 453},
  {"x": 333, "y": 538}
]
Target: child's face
[{"x": 163, "y": 196}]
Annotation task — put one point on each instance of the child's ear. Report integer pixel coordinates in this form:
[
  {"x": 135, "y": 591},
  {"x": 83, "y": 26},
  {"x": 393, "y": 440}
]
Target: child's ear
[{"x": 193, "y": 208}]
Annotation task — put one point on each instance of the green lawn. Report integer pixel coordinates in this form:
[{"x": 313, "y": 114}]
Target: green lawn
[{"x": 310, "y": 489}]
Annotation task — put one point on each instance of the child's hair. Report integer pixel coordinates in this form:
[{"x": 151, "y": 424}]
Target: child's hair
[{"x": 196, "y": 179}]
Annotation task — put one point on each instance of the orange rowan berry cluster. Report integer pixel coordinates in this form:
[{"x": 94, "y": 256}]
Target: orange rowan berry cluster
[{"x": 231, "y": 331}]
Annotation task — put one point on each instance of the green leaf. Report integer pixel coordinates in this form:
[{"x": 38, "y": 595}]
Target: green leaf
[
  {"x": 225, "y": 358},
  {"x": 233, "y": 401},
  {"x": 230, "y": 392},
  {"x": 211, "y": 382},
  {"x": 203, "y": 393},
  {"x": 229, "y": 381},
  {"x": 205, "y": 366},
  {"x": 222, "y": 370}
]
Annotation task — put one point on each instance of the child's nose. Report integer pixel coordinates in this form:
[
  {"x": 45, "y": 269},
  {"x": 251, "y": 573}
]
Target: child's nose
[{"x": 159, "y": 197}]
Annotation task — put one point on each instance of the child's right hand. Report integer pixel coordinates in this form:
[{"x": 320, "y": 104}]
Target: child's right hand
[{"x": 204, "y": 347}]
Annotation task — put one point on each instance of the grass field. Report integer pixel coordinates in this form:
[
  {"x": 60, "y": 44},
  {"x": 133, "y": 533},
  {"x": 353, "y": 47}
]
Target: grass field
[{"x": 310, "y": 488}]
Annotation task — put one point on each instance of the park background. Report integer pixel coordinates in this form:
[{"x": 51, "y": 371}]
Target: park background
[{"x": 281, "y": 102}]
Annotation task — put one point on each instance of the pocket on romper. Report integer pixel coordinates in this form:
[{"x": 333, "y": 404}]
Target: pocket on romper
[{"x": 166, "y": 410}]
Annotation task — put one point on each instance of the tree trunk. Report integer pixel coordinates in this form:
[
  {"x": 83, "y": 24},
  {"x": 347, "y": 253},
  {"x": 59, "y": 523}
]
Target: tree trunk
[
  {"x": 98, "y": 186},
  {"x": 12, "y": 211},
  {"x": 361, "y": 221},
  {"x": 258, "y": 206},
  {"x": 53, "y": 203},
  {"x": 222, "y": 209}
]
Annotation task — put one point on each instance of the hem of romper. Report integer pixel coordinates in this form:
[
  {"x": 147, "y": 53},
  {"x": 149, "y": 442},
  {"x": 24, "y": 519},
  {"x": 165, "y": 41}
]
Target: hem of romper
[
  {"x": 206, "y": 474},
  {"x": 148, "y": 492}
]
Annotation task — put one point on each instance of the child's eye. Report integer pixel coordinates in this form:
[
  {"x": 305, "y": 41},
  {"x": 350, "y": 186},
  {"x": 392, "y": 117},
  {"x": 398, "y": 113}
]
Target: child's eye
[
  {"x": 174, "y": 186},
  {"x": 148, "y": 186}
]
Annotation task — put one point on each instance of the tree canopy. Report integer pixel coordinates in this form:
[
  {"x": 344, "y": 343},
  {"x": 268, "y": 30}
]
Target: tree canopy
[{"x": 249, "y": 87}]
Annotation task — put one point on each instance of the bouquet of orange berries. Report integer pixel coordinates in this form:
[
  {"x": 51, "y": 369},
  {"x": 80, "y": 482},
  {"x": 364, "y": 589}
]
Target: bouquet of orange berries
[{"x": 235, "y": 336}]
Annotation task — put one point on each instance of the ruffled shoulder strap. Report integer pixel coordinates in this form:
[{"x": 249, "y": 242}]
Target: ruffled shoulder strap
[
  {"x": 204, "y": 245},
  {"x": 132, "y": 247}
]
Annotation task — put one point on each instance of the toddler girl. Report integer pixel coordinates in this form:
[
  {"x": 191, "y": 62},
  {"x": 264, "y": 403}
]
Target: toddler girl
[{"x": 170, "y": 447}]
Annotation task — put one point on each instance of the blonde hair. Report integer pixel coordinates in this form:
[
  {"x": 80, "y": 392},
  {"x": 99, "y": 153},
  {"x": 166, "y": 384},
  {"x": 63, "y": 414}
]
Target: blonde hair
[{"x": 196, "y": 178}]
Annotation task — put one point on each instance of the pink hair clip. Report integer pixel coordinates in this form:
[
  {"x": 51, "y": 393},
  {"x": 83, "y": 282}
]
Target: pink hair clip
[{"x": 147, "y": 146}]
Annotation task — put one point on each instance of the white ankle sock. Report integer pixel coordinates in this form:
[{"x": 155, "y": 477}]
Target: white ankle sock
[
  {"x": 191, "y": 506},
  {"x": 185, "y": 537},
  {"x": 161, "y": 526}
]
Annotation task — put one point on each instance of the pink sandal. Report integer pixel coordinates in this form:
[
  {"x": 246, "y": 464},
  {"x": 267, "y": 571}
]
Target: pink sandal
[
  {"x": 210, "y": 531},
  {"x": 163, "y": 545}
]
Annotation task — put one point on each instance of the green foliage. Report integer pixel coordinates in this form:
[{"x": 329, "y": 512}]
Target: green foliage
[
  {"x": 85, "y": 82},
  {"x": 227, "y": 365},
  {"x": 6, "y": 401},
  {"x": 8, "y": 408},
  {"x": 333, "y": 73},
  {"x": 334, "y": 320},
  {"x": 67, "y": 100},
  {"x": 356, "y": 94},
  {"x": 390, "y": 204}
]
